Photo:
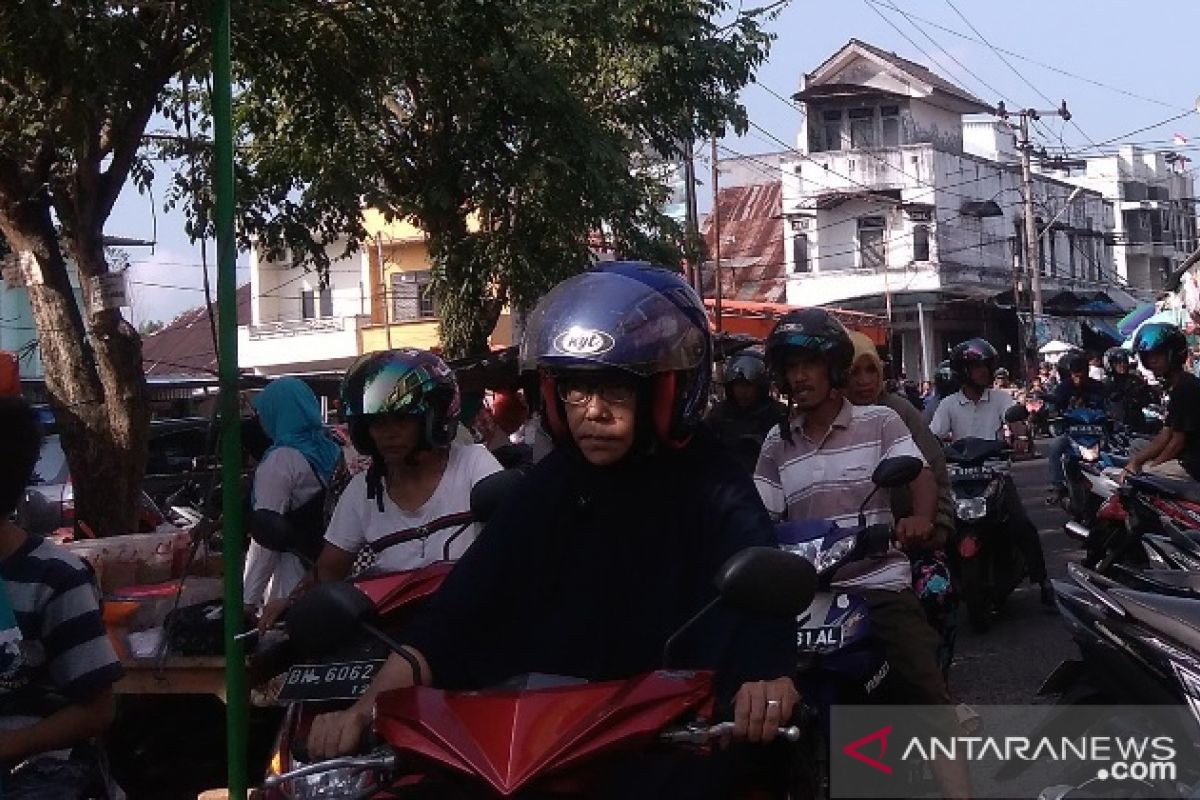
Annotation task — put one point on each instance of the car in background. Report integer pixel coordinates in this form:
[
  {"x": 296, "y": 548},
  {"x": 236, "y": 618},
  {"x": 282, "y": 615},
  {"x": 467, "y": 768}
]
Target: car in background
[{"x": 176, "y": 455}]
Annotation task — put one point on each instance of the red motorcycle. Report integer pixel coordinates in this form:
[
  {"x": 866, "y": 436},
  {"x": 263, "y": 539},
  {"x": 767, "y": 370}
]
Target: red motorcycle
[
  {"x": 541, "y": 734},
  {"x": 325, "y": 668}
]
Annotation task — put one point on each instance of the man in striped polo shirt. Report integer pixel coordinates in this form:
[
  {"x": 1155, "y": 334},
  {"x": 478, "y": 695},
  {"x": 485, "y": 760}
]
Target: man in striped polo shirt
[
  {"x": 56, "y": 694},
  {"x": 819, "y": 465}
]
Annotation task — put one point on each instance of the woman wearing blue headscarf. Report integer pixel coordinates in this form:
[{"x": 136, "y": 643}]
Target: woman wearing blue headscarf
[{"x": 295, "y": 469}]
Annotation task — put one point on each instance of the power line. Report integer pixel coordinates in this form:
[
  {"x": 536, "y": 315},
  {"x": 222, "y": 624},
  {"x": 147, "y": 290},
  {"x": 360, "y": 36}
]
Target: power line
[
  {"x": 1017, "y": 72},
  {"x": 1037, "y": 63}
]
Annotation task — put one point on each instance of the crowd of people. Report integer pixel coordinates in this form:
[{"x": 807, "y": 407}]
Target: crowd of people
[{"x": 638, "y": 488}]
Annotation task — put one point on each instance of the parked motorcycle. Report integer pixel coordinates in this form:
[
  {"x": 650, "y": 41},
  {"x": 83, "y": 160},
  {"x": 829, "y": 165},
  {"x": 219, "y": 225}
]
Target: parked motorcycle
[
  {"x": 1147, "y": 522},
  {"x": 548, "y": 734},
  {"x": 1137, "y": 648}
]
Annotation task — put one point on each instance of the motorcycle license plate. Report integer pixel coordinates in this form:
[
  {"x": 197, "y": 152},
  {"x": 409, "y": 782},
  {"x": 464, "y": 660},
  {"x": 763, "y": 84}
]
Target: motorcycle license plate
[
  {"x": 342, "y": 681},
  {"x": 1085, "y": 430},
  {"x": 968, "y": 472},
  {"x": 822, "y": 638},
  {"x": 812, "y": 633}
]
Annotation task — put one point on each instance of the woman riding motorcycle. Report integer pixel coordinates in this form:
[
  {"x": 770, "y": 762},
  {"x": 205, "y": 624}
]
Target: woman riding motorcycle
[
  {"x": 402, "y": 411},
  {"x": 612, "y": 541}
]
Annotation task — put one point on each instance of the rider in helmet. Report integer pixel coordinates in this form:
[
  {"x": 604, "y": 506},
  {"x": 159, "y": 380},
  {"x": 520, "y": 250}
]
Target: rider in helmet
[
  {"x": 1162, "y": 348},
  {"x": 818, "y": 465},
  {"x": 1126, "y": 391},
  {"x": 741, "y": 421},
  {"x": 1075, "y": 388},
  {"x": 402, "y": 410},
  {"x": 978, "y": 410},
  {"x": 611, "y": 542},
  {"x": 945, "y": 383}
]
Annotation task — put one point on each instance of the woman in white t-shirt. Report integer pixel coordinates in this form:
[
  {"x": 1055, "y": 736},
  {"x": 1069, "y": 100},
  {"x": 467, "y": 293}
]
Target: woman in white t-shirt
[{"x": 402, "y": 407}]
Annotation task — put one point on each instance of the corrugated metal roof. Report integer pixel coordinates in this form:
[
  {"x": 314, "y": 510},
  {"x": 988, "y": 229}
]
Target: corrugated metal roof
[
  {"x": 185, "y": 346},
  {"x": 752, "y": 262}
]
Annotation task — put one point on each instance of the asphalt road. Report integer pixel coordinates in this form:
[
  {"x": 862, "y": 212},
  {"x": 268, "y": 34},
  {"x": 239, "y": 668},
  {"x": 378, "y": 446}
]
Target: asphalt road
[{"x": 1008, "y": 663}]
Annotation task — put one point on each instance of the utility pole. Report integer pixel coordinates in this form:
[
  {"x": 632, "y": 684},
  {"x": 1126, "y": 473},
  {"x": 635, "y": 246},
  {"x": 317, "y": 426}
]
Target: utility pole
[
  {"x": 1032, "y": 264},
  {"x": 716, "y": 229},
  {"x": 692, "y": 224}
]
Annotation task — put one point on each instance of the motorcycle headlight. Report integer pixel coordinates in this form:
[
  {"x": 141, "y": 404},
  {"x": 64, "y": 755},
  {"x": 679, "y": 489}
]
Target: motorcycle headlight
[
  {"x": 831, "y": 557},
  {"x": 970, "y": 508},
  {"x": 1089, "y": 453}
]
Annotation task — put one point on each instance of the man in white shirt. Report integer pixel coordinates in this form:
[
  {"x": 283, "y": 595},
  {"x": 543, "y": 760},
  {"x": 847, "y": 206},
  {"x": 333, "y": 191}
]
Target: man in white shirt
[{"x": 977, "y": 411}]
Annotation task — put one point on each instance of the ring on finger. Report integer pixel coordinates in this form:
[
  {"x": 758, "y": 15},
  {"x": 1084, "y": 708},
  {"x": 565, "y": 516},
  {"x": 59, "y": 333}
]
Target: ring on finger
[{"x": 771, "y": 703}]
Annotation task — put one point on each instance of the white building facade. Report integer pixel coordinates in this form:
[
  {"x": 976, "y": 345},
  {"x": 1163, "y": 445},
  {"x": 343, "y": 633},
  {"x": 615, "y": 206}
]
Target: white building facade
[{"x": 892, "y": 204}]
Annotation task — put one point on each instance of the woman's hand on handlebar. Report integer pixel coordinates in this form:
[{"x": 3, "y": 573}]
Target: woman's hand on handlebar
[{"x": 272, "y": 612}]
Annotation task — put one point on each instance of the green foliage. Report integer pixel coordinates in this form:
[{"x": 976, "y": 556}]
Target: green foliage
[{"x": 510, "y": 130}]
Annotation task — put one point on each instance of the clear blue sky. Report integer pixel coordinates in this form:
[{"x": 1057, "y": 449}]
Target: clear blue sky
[{"x": 1146, "y": 48}]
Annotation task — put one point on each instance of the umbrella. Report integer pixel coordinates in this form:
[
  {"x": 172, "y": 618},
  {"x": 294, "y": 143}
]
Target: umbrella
[
  {"x": 1055, "y": 346},
  {"x": 1130, "y": 322},
  {"x": 1174, "y": 316}
]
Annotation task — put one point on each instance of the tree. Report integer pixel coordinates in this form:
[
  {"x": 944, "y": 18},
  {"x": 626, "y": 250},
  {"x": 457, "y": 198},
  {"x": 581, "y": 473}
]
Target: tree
[
  {"x": 150, "y": 327},
  {"x": 511, "y": 131},
  {"x": 78, "y": 82}
]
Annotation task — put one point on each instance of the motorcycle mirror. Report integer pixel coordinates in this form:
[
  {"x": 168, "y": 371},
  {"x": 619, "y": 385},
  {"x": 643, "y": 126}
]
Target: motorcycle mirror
[
  {"x": 767, "y": 582},
  {"x": 326, "y": 616},
  {"x": 1017, "y": 413},
  {"x": 897, "y": 471}
]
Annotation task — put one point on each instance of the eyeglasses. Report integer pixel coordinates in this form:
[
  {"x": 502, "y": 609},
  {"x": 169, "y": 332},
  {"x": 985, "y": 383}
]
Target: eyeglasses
[{"x": 580, "y": 393}]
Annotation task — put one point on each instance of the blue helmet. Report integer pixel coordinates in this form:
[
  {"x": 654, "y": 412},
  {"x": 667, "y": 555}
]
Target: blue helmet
[
  {"x": 1159, "y": 336},
  {"x": 628, "y": 316}
]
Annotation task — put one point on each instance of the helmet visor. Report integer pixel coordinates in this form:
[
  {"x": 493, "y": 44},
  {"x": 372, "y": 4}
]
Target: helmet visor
[
  {"x": 603, "y": 320},
  {"x": 397, "y": 388},
  {"x": 1153, "y": 336}
]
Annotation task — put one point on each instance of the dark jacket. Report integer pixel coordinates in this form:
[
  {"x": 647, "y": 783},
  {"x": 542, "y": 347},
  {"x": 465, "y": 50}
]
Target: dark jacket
[
  {"x": 1090, "y": 393},
  {"x": 741, "y": 431},
  {"x": 587, "y": 571},
  {"x": 1127, "y": 395}
]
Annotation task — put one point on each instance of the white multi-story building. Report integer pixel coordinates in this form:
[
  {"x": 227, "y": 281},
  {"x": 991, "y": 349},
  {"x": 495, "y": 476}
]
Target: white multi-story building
[
  {"x": 892, "y": 204},
  {"x": 1155, "y": 210}
]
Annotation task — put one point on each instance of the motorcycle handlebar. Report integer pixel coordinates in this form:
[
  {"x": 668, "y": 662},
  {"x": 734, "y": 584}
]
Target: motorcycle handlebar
[{"x": 705, "y": 734}]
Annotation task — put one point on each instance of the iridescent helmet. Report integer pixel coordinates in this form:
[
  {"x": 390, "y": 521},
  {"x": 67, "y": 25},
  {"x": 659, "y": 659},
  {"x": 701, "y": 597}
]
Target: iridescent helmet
[{"x": 404, "y": 382}]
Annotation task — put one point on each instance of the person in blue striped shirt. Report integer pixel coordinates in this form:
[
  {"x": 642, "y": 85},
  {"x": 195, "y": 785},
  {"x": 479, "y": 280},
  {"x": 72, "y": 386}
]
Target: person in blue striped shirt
[{"x": 56, "y": 686}]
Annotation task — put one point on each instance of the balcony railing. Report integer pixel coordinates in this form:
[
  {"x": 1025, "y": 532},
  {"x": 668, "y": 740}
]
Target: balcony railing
[{"x": 297, "y": 327}]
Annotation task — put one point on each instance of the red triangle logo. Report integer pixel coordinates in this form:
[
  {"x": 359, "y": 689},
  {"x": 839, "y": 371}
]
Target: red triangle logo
[{"x": 880, "y": 735}]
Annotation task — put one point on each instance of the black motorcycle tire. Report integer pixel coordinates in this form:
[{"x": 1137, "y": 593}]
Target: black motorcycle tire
[{"x": 975, "y": 593}]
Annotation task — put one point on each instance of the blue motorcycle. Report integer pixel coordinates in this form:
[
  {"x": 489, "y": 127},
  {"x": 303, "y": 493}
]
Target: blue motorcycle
[
  {"x": 840, "y": 661},
  {"x": 1088, "y": 431}
]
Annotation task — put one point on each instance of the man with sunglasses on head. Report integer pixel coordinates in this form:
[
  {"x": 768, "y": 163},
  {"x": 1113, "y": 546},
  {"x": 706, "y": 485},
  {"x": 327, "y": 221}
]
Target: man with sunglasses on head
[{"x": 612, "y": 542}]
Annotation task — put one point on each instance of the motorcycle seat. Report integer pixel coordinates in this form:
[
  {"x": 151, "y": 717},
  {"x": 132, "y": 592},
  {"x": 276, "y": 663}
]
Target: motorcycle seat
[
  {"x": 1169, "y": 487},
  {"x": 1175, "y": 578},
  {"x": 1176, "y": 617}
]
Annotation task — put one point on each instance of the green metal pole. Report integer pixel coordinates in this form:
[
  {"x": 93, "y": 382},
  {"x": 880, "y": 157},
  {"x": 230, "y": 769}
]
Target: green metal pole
[{"x": 237, "y": 700}]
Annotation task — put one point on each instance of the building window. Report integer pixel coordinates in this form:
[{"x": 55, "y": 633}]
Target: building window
[
  {"x": 872, "y": 250},
  {"x": 799, "y": 252},
  {"x": 307, "y": 304},
  {"x": 920, "y": 243},
  {"x": 1071, "y": 254},
  {"x": 832, "y": 130},
  {"x": 862, "y": 127},
  {"x": 412, "y": 298},
  {"x": 889, "y": 119}
]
